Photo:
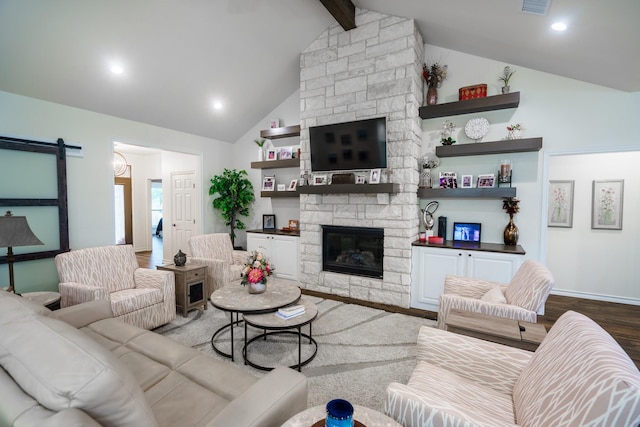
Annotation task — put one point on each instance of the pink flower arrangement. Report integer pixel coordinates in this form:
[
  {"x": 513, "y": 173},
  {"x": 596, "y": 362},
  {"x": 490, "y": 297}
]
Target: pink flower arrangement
[{"x": 257, "y": 268}]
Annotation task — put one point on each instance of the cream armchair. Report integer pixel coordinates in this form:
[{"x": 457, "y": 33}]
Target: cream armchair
[
  {"x": 579, "y": 376},
  {"x": 224, "y": 264},
  {"x": 521, "y": 299},
  {"x": 139, "y": 296}
]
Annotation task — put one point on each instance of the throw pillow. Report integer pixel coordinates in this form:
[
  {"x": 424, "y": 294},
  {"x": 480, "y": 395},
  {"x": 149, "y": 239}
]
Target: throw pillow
[{"x": 494, "y": 295}]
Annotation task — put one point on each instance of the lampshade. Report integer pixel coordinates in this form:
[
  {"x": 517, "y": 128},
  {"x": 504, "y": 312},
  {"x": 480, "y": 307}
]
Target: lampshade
[{"x": 15, "y": 231}]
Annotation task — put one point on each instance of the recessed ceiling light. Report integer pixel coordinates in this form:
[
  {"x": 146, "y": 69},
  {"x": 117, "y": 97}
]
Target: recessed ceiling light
[
  {"x": 217, "y": 105},
  {"x": 559, "y": 26},
  {"x": 117, "y": 69}
]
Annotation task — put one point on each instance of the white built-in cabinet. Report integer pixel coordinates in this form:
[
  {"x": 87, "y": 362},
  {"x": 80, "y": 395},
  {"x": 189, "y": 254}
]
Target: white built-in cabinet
[
  {"x": 432, "y": 264},
  {"x": 281, "y": 250}
]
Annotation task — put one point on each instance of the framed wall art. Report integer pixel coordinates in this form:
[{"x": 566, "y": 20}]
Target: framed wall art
[
  {"x": 560, "y": 204},
  {"x": 606, "y": 204},
  {"x": 268, "y": 183},
  {"x": 486, "y": 181}
]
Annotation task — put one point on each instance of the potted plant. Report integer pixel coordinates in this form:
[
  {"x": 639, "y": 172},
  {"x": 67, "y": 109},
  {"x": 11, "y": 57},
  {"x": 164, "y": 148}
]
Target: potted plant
[
  {"x": 235, "y": 194},
  {"x": 505, "y": 77}
]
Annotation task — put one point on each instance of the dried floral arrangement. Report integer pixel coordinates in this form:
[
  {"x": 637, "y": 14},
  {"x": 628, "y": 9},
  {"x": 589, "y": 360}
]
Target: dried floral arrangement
[
  {"x": 511, "y": 205},
  {"x": 434, "y": 74}
]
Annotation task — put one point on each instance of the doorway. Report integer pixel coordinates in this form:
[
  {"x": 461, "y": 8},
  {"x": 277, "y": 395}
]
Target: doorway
[
  {"x": 123, "y": 212},
  {"x": 157, "y": 226}
]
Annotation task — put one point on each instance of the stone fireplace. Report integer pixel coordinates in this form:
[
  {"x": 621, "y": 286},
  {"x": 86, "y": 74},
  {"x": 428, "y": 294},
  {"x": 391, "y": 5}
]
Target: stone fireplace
[
  {"x": 371, "y": 71},
  {"x": 353, "y": 250}
]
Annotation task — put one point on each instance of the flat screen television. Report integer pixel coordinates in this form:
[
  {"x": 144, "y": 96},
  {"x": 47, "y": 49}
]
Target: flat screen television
[
  {"x": 357, "y": 145},
  {"x": 468, "y": 232}
]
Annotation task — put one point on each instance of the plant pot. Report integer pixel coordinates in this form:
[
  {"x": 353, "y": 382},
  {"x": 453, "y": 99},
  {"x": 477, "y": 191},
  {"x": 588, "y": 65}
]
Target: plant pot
[
  {"x": 256, "y": 288},
  {"x": 511, "y": 233},
  {"x": 432, "y": 95},
  {"x": 515, "y": 134},
  {"x": 260, "y": 154},
  {"x": 505, "y": 89}
]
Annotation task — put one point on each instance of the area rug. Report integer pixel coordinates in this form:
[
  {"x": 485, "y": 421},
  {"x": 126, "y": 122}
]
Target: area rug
[{"x": 360, "y": 349}]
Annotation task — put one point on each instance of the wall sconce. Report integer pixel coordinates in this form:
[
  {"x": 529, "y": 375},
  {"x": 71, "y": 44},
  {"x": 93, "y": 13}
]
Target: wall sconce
[{"x": 15, "y": 231}]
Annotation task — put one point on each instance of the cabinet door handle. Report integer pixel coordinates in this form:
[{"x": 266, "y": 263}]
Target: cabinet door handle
[
  {"x": 459, "y": 254},
  {"x": 469, "y": 254}
]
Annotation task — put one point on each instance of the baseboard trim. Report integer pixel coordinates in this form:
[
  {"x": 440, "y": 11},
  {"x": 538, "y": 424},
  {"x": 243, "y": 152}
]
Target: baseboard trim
[
  {"x": 597, "y": 297},
  {"x": 416, "y": 312}
]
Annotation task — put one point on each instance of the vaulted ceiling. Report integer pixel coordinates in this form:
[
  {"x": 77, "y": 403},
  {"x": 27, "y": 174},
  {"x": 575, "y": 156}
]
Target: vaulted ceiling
[{"x": 179, "y": 57}]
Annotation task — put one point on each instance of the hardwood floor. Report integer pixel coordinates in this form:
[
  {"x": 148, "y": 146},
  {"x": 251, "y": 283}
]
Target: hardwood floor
[{"x": 622, "y": 321}]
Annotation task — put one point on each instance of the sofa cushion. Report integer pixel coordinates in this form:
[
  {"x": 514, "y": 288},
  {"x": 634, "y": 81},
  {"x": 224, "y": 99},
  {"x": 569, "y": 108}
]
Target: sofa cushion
[
  {"x": 579, "y": 376},
  {"x": 69, "y": 370},
  {"x": 530, "y": 286}
]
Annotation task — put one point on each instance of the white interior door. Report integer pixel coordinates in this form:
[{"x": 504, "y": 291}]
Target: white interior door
[{"x": 183, "y": 219}]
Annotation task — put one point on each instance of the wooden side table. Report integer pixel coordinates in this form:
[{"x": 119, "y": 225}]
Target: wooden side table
[
  {"x": 191, "y": 282},
  {"x": 514, "y": 333}
]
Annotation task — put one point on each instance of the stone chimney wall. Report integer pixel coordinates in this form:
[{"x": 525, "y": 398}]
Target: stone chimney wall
[{"x": 371, "y": 71}]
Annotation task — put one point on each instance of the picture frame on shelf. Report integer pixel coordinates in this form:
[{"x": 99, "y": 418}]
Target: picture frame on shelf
[
  {"x": 274, "y": 123},
  {"x": 560, "y": 203},
  {"x": 293, "y": 225},
  {"x": 281, "y": 187},
  {"x": 286, "y": 153},
  {"x": 320, "y": 179},
  {"x": 272, "y": 154},
  {"x": 268, "y": 222},
  {"x": 293, "y": 185},
  {"x": 361, "y": 179},
  {"x": 606, "y": 204},
  {"x": 467, "y": 181},
  {"x": 487, "y": 180},
  {"x": 374, "y": 176},
  {"x": 268, "y": 183},
  {"x": 448, "y": 180}
]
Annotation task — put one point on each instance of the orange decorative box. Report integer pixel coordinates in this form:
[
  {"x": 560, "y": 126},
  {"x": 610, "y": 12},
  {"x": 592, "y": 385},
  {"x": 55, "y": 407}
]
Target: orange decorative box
[
  {"x": 436, "y": 239},
  {"x": 472, "y": 92}
]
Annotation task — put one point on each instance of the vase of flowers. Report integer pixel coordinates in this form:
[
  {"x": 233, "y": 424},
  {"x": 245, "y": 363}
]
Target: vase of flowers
[
  {"x": 260, "y": 144},
  {"x": 511, "y": 206},
  {"x": 255, "y": 272},
  {"x": 507, "y": 73},
  {"x": 445, "y": 134},
  {"x": 515, "y": 131},
  {"x": 425, "y": 177},
  {"x": 434, "y": 75}
]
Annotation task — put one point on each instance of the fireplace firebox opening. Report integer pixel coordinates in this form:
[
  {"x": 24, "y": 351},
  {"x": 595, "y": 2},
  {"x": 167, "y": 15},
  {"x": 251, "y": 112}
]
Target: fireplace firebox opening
[{"x": 353, "y": 250}]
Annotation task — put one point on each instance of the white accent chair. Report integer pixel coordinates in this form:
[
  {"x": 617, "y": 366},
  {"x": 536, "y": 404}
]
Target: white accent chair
[
  {"x": 579, "y": 376},
  {"x": 522, "y": 299},
  {"x": 142, "y": 297},
  {"x": 224, "y": 264}
]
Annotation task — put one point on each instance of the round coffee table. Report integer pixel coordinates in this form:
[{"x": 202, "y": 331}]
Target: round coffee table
[
  {"x": 235, "y": 298},
  {"x": 365, "y": 416},
  {"x": 279, "y": 326}
]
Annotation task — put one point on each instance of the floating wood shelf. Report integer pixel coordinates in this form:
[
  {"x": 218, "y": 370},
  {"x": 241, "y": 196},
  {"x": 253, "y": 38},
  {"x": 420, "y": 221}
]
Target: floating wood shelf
[
  {"x": 488, "y": 193},
  {"x": 279, "y": 194},
  {"x": 349, "y": 188},
  {"x": 492, "y": 147},
  {"x": 274, "y": 164},
  {"x": 283, "y": 132},
  {"x": 477, "y": 105}
]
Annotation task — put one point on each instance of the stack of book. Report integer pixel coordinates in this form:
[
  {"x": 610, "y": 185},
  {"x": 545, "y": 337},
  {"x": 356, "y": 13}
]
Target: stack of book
[{"x": 290, "y": 311}]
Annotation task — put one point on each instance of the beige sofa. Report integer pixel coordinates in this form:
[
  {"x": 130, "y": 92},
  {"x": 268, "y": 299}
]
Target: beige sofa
[
  {"x": 140, "y": 296},
  {"x": 578, "y": 377},
  {"x": 80, "y": 367}
]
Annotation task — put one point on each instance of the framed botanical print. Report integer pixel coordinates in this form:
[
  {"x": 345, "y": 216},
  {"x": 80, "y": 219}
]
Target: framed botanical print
[
  {"x": 560, "y": 212},
  {"x": 606, "y": 204}
]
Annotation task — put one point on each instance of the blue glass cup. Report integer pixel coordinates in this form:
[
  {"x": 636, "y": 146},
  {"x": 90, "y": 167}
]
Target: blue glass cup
[{"x": 339, "y": 414}]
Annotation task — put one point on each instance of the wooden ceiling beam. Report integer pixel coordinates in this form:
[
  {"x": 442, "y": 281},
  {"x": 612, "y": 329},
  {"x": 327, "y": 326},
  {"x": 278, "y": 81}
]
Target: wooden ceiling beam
[{"x": 343, "y": 11}]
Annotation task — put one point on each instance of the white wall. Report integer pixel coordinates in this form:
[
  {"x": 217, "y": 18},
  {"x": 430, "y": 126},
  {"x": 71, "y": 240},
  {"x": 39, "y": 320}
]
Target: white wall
[
  {"x": 245, "y": 151},
  {"x": 605, "y": 263},
  {"x": 90, "y": 178},
  {"x": 569, "y": 115}
]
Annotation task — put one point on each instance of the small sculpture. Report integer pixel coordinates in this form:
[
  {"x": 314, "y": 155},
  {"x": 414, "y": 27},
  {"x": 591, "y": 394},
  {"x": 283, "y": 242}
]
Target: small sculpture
[
  {"x": 427, "y": 215},
  {"x": 180, "y": 258}
]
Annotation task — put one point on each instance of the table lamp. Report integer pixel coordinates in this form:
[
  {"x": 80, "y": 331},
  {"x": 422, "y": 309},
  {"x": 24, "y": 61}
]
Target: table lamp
[{"x": 15, "y": 231}]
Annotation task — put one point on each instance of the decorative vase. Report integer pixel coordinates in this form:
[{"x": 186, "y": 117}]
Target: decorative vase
[
  {"x": 180, "y": 258},
  {"x": 257, "y": 288},
  {"x": 260, "y": 154},
  {"x": 506, "y": 89},
  {"x": 511, "y": 233},
  {"x": 432, "y": 95},
  {"x": 515, "y": 134},
  {"x": 425, "y": 178}
]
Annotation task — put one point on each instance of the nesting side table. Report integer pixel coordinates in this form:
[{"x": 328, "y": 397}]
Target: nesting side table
[{"x": 191, "y": 282}]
